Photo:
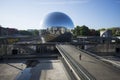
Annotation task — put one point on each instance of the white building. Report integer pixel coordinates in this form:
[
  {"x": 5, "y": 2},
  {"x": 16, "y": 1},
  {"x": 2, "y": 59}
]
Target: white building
[
  {"x": 57, "y": 30},
  {"x": 106, "y": 33}
]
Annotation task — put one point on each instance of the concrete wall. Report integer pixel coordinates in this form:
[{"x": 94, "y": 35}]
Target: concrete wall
[
  {"x": 5, "y": 49},
  {"x": 104, "y": 49}
]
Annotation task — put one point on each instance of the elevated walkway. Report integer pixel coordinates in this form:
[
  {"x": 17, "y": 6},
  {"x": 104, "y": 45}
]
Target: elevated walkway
[{"x": 89, "y": 64}]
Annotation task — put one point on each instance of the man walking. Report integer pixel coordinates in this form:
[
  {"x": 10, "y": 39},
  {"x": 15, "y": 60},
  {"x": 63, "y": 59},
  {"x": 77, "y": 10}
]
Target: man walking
[{"x": 80, "y": 56}]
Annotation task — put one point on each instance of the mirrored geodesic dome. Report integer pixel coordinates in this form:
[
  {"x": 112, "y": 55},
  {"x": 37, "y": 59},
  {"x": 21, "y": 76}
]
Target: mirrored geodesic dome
[{"x": 57, "y": 19}]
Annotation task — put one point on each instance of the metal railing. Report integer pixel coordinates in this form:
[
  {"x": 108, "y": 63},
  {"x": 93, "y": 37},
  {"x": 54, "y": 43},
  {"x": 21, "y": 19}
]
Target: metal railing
[{"x": 80, "y": 72}]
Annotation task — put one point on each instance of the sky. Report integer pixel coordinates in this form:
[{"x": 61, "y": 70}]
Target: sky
[{"x": 28, "y": 14}]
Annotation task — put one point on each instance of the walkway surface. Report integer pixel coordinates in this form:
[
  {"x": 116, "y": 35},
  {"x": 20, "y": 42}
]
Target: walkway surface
[
  {"x": 97, "y": 68},
  {"x": 115, "y": 61},
  {"x": 9, "y": 69},
  {"x": 44, "y": 70}
]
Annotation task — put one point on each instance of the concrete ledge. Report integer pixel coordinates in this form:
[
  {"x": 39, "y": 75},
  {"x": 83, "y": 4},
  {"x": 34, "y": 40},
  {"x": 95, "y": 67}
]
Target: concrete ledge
[{"x": 109, "y": 62}]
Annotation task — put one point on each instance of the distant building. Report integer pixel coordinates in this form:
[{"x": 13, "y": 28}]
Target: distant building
[
  {"x": 8, "y": 31},
  {"x": 42, "y": 31},
  {"x": 57, "y": 30},
  {"x": 106, "y": 33}
]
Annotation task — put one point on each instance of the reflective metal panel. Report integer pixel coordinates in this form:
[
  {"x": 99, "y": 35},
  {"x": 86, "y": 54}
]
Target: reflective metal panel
[{"x": 57, "y": 19}]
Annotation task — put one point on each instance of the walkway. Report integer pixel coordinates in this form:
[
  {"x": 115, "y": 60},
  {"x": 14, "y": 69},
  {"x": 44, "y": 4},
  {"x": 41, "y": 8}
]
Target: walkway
[{"x": 100, "y": 70}]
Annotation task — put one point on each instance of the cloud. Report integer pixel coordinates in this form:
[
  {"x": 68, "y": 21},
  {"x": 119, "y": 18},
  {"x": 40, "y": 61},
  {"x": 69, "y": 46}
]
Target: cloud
[{"x": 65, "y": 2}]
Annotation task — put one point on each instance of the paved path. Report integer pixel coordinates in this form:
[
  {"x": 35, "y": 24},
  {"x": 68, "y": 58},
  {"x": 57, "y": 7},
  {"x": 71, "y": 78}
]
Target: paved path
[
  {"x": 95, "y": 67},
  {"x": 10, "y": 69},
  {"x": 115, "y": 61},
  {"x": 15, "y": 69},
  {"x": 45, "y": 70}
]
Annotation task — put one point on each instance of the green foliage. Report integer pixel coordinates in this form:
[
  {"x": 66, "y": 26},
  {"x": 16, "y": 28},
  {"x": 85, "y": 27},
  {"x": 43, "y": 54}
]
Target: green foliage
[
  {"x": 115, "y": 31},
  {"x": 31, "y": 33},
  {"x": 35, "y": 32},
  {"x": 24, "y": 32},
  {"x": 81, "y": 31},
  {"x": 102, "y": 29},
  {"x": 84, "y": 31},
  {"x": 94, "y": 32},
  {"x": 76, "y": 31}
]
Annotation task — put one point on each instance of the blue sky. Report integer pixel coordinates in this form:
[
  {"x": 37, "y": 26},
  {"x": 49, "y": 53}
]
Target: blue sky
[{"x": 28, "y": 14}]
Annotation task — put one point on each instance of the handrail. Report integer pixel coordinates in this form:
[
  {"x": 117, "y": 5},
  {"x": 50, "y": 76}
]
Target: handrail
[{"x": 81, "y": 72}]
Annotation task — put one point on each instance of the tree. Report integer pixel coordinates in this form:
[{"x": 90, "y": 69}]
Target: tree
[
  {"x": 35, "y": 32},
  {"x": 81, "y": 31},
  {"x": 76, "y": 31},
  {"x": 102, "y": 29},
  {"x": 84, "y": 30},
  {"x": 115, "y": 31},
  {"x": 24, "y": 32},
  {"x": 94, "y": 32}
]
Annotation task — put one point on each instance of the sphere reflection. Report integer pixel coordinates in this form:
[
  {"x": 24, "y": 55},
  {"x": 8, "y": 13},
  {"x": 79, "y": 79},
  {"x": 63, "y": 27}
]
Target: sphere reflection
[{"x": 57, "y": 19}]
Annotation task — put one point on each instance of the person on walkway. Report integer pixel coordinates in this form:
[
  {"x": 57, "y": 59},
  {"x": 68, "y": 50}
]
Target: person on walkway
[{"x": 80, "y": 56}]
